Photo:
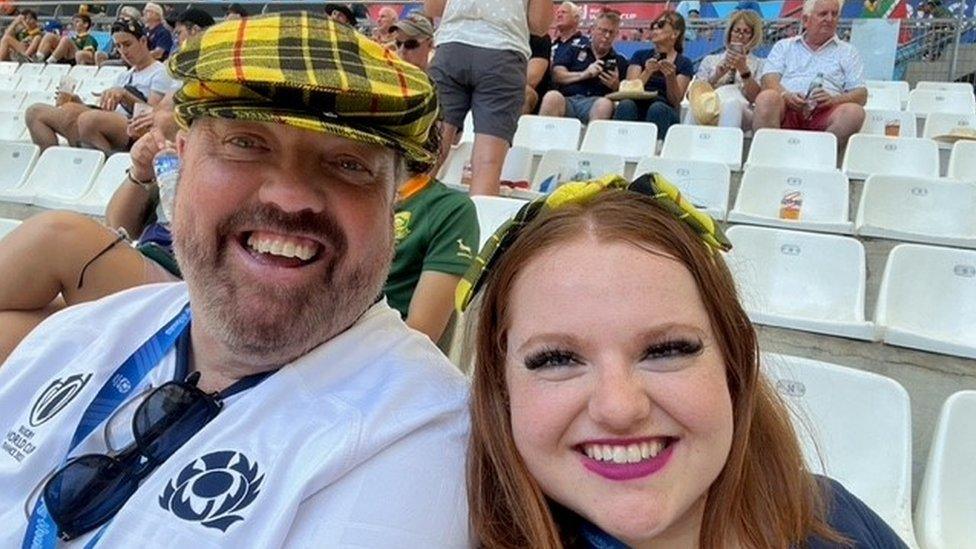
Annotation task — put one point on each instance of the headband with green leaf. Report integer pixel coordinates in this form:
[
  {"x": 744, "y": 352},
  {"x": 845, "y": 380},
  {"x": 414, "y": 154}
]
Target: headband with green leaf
[{"x": 652, "y": 185}]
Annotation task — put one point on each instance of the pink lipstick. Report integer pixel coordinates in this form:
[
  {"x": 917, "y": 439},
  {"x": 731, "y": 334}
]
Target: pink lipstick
[{"x": 629, "y": 471}]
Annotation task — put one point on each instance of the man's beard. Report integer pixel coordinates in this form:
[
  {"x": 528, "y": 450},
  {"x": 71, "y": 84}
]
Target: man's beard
[{"x": 268, "y": 324}]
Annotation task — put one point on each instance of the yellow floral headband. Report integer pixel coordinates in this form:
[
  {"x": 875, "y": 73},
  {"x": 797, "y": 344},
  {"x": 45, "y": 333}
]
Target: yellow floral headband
[{"x": 652, "y": 185}]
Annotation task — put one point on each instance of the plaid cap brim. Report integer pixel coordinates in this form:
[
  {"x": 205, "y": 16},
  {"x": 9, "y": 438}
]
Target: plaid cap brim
[{"x": 306, "y": 71}]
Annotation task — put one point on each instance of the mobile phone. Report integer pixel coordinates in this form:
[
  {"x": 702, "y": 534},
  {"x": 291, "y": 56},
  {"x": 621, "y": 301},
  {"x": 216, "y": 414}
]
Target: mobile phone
[
  {"x": 661, "y": 56},
  {"x": 736, "y": 48},
  {"x": 610, "y": 65}
]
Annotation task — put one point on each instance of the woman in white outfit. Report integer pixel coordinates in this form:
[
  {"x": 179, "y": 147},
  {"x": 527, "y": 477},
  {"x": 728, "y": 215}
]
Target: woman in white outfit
[{"x": 733, "y": 73}]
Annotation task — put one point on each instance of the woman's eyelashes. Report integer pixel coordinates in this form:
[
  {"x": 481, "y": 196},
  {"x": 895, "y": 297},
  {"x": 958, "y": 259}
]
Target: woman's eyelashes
[
  {"x": 673, "y": 348},
  {"x": 551, "y": 358}
]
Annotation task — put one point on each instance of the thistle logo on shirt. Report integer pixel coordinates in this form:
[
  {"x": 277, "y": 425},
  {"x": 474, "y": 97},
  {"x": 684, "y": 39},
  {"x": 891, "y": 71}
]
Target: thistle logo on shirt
[
  {"x": 55, "y": 397},
  {"x": 213, "y": 489}
]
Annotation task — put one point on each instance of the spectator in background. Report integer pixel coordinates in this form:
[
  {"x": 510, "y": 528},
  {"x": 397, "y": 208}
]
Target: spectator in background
[
  {"x": 585, "y": 72},
  {"x": 480, "y": 65},
  {"x": 189, "y": 23},
  {"x": 664, "y": 70},
  {"x": 80, "y": 47},
  {"x": 734, "y": 73},
  {"x": 159, "y": 35},
  {"x": 103, "y": 128},
  {"x": 111, "y": 54},
  {"x": 537, "y": 78},
  {"x": 235, "y": 11},
  {"x": 383, "y": 32},
  {"x": 342, "y": 14},
  {"x": 567, "y": 25},
  {"x": 413, "y": 38},
  {"x": 813, "y": 81},
  {"x": 21, "y": 38}
]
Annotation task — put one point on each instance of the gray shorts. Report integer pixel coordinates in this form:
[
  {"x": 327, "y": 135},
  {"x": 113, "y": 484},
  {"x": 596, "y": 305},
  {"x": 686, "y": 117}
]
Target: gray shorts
[
  {"x": 489, "y": 83},
  {"x": 578, "y": 107}
]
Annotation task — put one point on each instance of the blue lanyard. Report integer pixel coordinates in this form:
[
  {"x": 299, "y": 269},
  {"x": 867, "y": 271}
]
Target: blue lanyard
[
  {"x": 42, "y": 532},
  {"x": 598, "y": 539}
]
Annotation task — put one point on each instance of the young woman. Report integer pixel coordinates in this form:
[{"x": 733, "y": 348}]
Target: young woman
[
  {"x": 734, "y": 73},
  {"x": 617, "y": 397}
]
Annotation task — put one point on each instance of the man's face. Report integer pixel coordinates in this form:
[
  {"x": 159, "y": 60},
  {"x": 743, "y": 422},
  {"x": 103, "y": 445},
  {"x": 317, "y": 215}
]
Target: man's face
[
  {"x": 821, "y": 24},
  {"x": 565, "y": 18},
  {"x": 603, "y": 35},
  {"x": 185, "y": 31},
  {"x": 151, "y": 17},
  {"x": 80, "y": 25},
  {"x": 133, "y": 50},
  {"x": 413, "y": 50},
  {"x": 386, "y": 18},
  {"x": 284, "y": 236},
  {"x": 30, "y": 22}
]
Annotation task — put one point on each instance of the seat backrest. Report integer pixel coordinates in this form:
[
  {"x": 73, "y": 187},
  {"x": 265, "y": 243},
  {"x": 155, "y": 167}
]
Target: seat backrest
[
  {"x": 930, "y": 291},
  {"x": 900, "y": 85},
  {"x": 65, "y": 173},
  {"x": 9, "y": 67},
  {"x": 541, "y": 133},
  {"x": 942, "y": 123},
  {"x": 11, "y": 100},
  {"x": 631, "y": 140},
  {"x": 893, "y": 123},
  {"x": 924, "y": 102},
  {"x": 453, "y": 168},
  {"x": 855, "y": 427},
  {"x": 714, "y": 144},
  {"x": 798, "y": 274},
  {"x": 557, "y": 167},
  {"x": 56, "y": 70},
  {"x": 12, "y": 126},
  {"x": 109, "y": 178},
  {"x": 879, "y": 155},
  {"x": 492, "y": 212},
  {"x": 37, "y": 96},
  {"x": 83, "y": 72},
  {"x": 946, "y": 506},
  {"x": 883, "y": 98},
  {"x": 7, "y": 225},
  {"x": 9, "y": 81},
  {"x": 518, "y": 164},
  {"x": 110, "y": 72},
  {"x": 17, "y": 160},
  {"x": 823, "y": 195},
  {"x": 704, "y": 184},
  {"x": 933, "y": 207},
  {"x": 962, "y": 87},
  {"x": 793, "y": 148},
  {"x": 962, "y": 161},
  {"x": 31, "y": 69},
  {"x": 34, "y": 83}
]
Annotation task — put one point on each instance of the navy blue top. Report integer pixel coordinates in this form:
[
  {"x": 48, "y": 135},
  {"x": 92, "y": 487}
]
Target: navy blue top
[
  {"x": 846, "y": 514},
  {"x": 576, "y": 56},
  {"x": 657, "y": 82},
  {"x": 160, "y": 37}
]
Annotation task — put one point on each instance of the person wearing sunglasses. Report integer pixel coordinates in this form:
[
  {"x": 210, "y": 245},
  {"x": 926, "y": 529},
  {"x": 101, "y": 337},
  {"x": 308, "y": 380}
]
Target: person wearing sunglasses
[
  {"x": 625, "y": 405},
  {"x": 664, "y": 70},
  {"x": 272, "y": 399},
  {"x": 413, "y": 38}
]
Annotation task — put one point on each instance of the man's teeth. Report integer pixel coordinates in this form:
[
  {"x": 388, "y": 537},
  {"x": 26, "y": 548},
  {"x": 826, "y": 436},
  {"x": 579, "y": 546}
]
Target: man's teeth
[
  {"x": 281, "y": 247},
  {"x": 631, "y": 453}
]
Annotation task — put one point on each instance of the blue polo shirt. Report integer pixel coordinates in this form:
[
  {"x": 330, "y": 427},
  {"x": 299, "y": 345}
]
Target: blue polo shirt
[
  {"x": 160, "y": 37},
  {"x": 576, "y": 56},
  {"x": 657, "y": 82}
]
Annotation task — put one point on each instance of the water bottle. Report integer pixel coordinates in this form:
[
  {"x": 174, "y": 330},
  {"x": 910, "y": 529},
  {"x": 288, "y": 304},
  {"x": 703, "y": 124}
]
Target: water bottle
[
  {"x": 166, "y": 165},
  {"x": 815, "y": 84},
  {"x": 583, "y": 172}
]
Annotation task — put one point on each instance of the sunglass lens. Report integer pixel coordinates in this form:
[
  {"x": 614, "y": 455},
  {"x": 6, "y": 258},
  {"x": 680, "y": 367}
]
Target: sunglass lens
[
  {"x": 169, "y": 417},
  {"x": 408, "y": 44},
  {"x": 87, "y": 492}
]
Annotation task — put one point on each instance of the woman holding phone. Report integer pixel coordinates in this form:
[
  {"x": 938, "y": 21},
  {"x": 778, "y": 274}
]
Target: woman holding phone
[
  {"x": 733, "y": 73},
  {"x": 624, "y": 406},
  {"x": 664, "y": 70}
]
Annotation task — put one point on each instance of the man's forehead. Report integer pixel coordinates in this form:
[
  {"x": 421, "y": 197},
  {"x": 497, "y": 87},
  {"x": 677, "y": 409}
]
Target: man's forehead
[{"x": 217, "y": 127}]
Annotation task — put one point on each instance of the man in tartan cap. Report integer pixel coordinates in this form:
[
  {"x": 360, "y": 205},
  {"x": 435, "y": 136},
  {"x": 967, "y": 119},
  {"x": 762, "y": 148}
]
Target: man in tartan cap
[{"x": 271, "y": 399}]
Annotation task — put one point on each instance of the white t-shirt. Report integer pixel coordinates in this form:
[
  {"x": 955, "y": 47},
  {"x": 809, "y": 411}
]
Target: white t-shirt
[
  {"x": 492, "y": 24},
  {"x": 150, "y": 79},
  {"x": 359, "y": 443}
]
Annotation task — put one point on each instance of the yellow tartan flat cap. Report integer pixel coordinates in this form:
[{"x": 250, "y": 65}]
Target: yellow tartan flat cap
[{"x": 306, "y": 71}]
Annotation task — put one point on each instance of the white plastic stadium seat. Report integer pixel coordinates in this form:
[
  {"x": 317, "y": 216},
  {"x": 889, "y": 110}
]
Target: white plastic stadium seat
[
  {"x": 926, "y": 102},
  {"x": 31, "y": 69},
  {"x": 942, "y": 123},
  {"x": 492, "y": 212},
  {"x": 793, "y": 148},
  {"x": 36, "y": 83},
  {"x": 715, "y": 144},
  {"x": 926, "y": 299},
  {"x": 875, "y": 122},
  {"x": 855, "y": 427},
  {"x": 63, "y": 172},
  {"x": 541, "y": 133},
  {"x": 825, "y": 197},
  {"x": 900, "y": 85},
  {"x": 83, "y": 72},
  {"x": 883, "y": 98},
  {"x": 7, "y": 225},
  {"x": 9, "y": 81},
  {"x": 12, "y": 126},
  {"x": 963, "y": 87},
  {"x": 56, "y": 71},
  {"x": 11, "y": 100},
  {"x": 106, "y": 182},
  {"x": 517, "y": 166},
  {"x": 704, "y": 184},
  {"x": 89, "y": 90},
  {"x": 8, "y": 67},
  {"x": 467, "y": 131},
  {"x": 37, "y": 96},
  {"x": 804, "y": 281},
  {"x": 934, "y": 211},
  {"x": 454, "y": 164},
  {"x": 558, "y": 167},
  {"x": 17, "y": 160},
  {"x": 946, "y": 506},
  {"x": 878, "y": 155},
  {"x": 631, "y": 140},
  {"x": 110, "y": 72},
  {"x": 962, "y": 161}
]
